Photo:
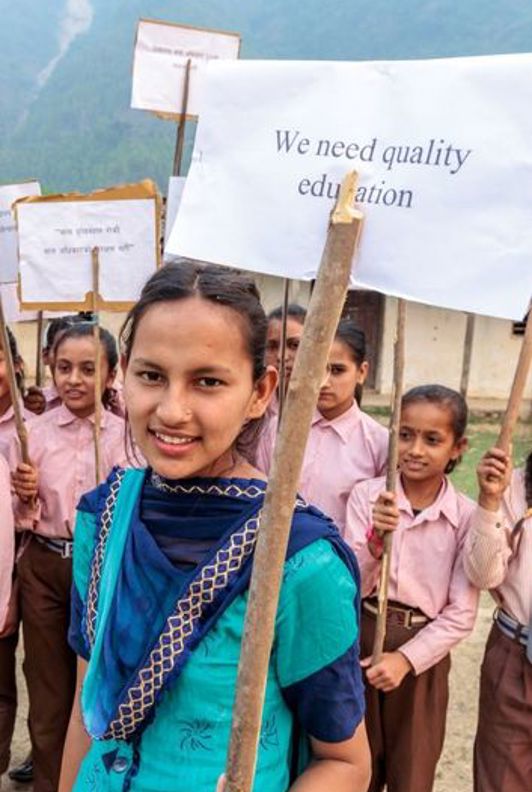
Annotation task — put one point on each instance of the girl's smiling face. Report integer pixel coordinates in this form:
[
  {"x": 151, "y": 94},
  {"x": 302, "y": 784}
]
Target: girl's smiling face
[
  {"x": 74, "y": 369},
  {"x": 427, "y": 442},
  {"x": 188, "y": 387}
]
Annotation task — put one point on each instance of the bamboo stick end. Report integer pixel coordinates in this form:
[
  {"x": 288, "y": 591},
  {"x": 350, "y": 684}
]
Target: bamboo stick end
[{"x": 345, "y": 210}]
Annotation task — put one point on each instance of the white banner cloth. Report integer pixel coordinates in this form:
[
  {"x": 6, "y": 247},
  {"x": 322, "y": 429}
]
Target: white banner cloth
[{"x": 444, "y": 153}]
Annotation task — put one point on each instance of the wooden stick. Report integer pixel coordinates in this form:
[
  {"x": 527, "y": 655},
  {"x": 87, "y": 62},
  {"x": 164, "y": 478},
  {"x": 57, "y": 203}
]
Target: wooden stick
[
  {"x": 391, "y": 478},
  {"x": 181, "y": 126},
  {"x": 320, "y": 326},
  {"x": 518, "y": 387},
  {"x": 282, "y": 350},
  {"x": 468, "y": 349},
  {"x": 97, "y": 362},
  {"x": 38, "y": 360},
  {"x": 13, "y": 389}
]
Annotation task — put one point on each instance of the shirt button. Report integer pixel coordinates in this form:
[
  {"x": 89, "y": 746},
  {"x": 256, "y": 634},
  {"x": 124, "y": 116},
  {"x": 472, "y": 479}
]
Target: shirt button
[{"x": 120, "y": 764}]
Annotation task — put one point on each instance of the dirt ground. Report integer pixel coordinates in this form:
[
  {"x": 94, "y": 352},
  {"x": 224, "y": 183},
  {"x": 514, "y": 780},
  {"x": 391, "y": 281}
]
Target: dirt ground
[{"x": 454, "y": 770}]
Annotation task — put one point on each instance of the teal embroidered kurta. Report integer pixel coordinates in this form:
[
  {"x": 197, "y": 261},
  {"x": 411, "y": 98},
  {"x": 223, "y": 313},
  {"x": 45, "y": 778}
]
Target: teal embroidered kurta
[{"x": 184, "y": 747}]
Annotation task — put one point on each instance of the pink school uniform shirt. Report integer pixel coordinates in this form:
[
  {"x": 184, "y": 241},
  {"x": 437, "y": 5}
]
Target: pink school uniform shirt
[
  {"x": 497, "y": 561},
  {"x": 51, "y": 397},
  {"x": 8, "y": 429},
  {"x": 61, "y": 446},
  {"x": 426, "y": 569},
  {"x": 7, "y": 540},
  {"x": 339, "y": 453}
]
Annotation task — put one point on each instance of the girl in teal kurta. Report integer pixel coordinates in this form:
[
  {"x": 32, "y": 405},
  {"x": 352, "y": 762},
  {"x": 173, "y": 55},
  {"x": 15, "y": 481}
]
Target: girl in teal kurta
[{"x": 162, "y": 563}]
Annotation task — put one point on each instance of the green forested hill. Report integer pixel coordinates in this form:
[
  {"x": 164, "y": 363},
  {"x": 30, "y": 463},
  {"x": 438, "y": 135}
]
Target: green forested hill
[{"x": 76, "y": 130}]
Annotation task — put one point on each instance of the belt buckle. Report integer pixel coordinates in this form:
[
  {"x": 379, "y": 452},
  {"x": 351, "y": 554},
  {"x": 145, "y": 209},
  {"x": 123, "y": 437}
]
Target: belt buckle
[
  {"x": 66, "y": 550},
  {"x": 408, "y": 619}
]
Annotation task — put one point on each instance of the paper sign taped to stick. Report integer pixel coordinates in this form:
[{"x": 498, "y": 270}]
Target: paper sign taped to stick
[
  {"x": 9, "y": 193},
  {"x": 58, "y": 233},
  {"x": 162, "y": 50},
  {"x": 444, "y": 153}
]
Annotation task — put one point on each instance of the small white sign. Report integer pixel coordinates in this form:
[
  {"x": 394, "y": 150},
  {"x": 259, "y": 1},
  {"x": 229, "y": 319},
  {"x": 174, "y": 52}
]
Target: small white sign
[
  {"x": 9, "y": 193},
  {"x": 176, "y": 185},
  {"x": 13, "y": 312},
  {"x": 56, "y": 239},
  {"x": 162, "y": 50},
  {"x": 444, "y": 153}
]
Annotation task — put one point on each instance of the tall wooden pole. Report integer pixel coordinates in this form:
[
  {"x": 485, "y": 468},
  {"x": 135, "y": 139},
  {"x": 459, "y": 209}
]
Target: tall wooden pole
[
  {"x": 97, "y": 362},
  {"x": 468, "y": 350},
  {"x": 320, "y": 326},
  {"x": 180, "y": 139},
  {"x": 38, "y": 359},
  {"x": 13, "y": 389},
  {"x": 518, "y": 387},
  {"x": 391, "y": 478},
  {"x": 282, "y": 349}
]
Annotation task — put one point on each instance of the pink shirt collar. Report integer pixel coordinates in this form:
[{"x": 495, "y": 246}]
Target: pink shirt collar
[
  {"x": 343, "y": 425},
  {"x": 64, "y": 417},
  {"x": 446, "y": 504},
  {"x": 9, "y": 414}
]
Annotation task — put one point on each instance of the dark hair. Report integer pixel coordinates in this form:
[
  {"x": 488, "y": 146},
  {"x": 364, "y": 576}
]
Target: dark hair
[
  {"x": 448, "y": 399},
  {"x": 354, "y": 338},
  {"x": 183, "y": 279},
  {"x": 293, "y": 311},
  {"x": 17, "y": 360},
  {"x": 528, "y": 481},
  {"x": 86, "y": 330},
  {"x": 61, "y": 324}
]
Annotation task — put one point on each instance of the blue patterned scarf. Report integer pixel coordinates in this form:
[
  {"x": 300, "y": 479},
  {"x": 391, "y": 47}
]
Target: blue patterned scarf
[{"x": 146, "y": 613}]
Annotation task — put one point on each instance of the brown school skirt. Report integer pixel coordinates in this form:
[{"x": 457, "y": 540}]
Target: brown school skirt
[
  {"x": 503, "y": 746},
  {"x": 406, "y": 727}
]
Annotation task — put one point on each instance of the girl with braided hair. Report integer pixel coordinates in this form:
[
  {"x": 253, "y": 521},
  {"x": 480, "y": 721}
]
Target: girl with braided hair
[{"x": 498, "y": 557}]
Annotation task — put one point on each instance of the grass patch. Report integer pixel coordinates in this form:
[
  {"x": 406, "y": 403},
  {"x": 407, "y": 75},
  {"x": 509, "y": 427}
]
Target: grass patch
[{"x": 480, "y": 439}]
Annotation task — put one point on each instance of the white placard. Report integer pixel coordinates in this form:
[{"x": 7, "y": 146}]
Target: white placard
[
  {"x": 8, "y": 230},
  {"x": 176, "y": 185},
  {"x": 444, "y": 152},
  {"x": 161, "y": 53},
  {"x": 12, "y": 311},
  {"x": 56, "y": 239},
  {"x": 10, "y": 304}
]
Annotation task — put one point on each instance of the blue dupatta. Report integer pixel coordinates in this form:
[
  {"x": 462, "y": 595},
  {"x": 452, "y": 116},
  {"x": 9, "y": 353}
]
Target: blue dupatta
[{"x": 143, "y": 617}]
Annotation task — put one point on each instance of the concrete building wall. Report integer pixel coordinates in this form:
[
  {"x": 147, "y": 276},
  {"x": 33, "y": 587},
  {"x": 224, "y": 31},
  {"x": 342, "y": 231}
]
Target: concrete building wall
[
  {"x": 434, "y": 344},
  {"x": 434, "y": 350}
]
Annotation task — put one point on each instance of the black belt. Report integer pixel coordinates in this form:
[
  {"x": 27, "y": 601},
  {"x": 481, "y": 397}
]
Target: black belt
[
  {"x": 63, "y": 547},
  {"x": 399, "y": 614}
]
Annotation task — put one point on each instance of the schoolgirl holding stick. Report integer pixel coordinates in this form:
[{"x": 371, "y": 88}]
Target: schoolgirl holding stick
[
  {"x": 432, "y": 604},
  {"x": 345, "y": 444},
  {"x": 9, "y": 627},
  {"x": 61, "y": 449},
  {"x": 162, "y": 563},
  {"x": 498, "y": 557}
]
